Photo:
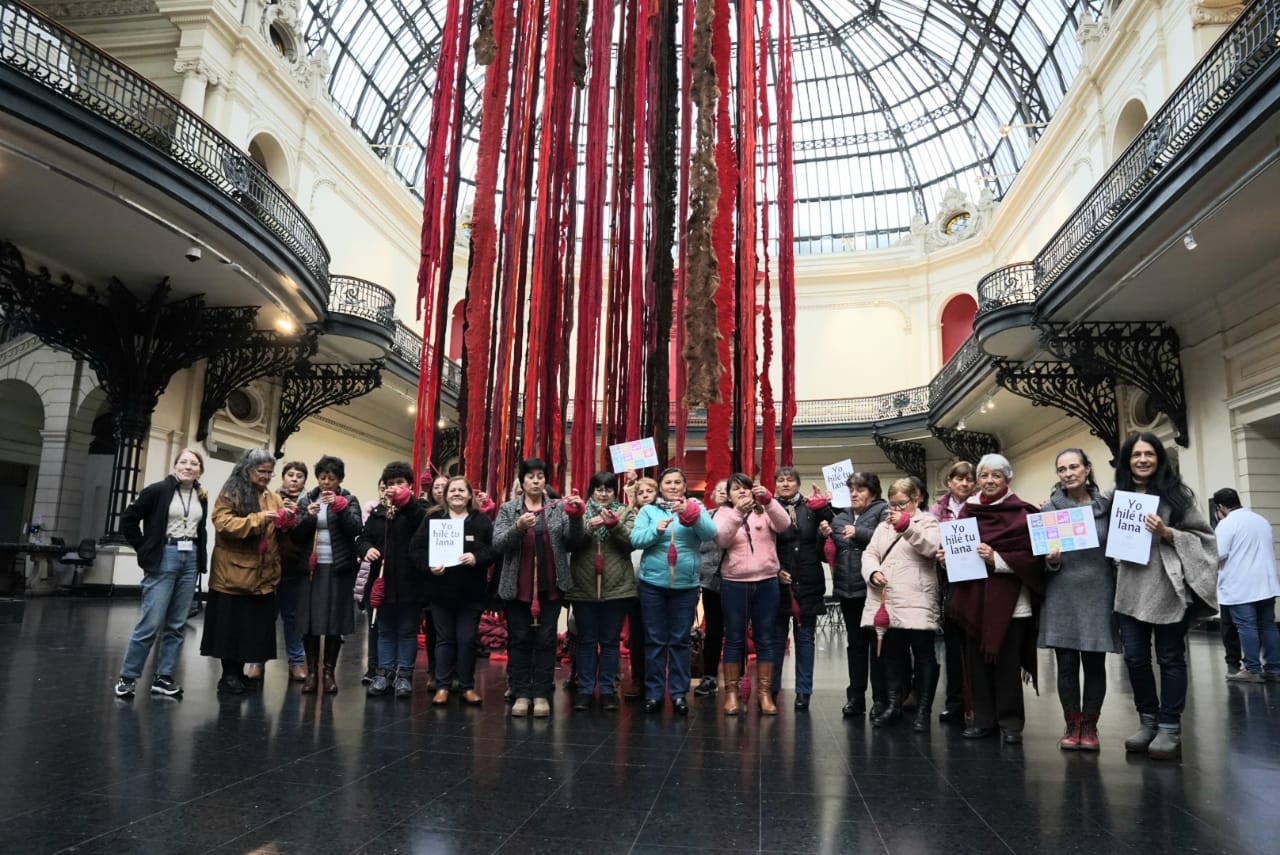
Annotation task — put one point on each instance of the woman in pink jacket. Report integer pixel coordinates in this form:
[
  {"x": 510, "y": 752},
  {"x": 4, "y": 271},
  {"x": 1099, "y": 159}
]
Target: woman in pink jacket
[
  {"x": 899, "y": 569},
  {"x": 747, "y": 530}
]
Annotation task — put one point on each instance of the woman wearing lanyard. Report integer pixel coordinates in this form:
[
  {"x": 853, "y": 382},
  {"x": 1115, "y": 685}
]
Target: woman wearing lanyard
[{"x": 166, "y": 527}]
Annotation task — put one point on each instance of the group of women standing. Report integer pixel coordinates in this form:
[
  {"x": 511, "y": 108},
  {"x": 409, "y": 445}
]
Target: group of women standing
[{"x": 754, "y": 557}]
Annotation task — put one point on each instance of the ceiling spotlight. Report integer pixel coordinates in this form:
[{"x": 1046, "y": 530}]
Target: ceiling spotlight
[
  {"x": 960, "y": 425},
  {"x": 412, "y": 408},
  {"x": 442, "y": 424},
  {"x": 983, "y": 408},
  {"x": 285, "y": 324},
  {"x": 991, "y": 401},
  {"x": 1189, "y": 241}
]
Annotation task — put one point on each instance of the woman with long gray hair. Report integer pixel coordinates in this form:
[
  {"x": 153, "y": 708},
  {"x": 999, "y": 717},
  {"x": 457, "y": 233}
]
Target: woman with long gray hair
[{"x": 240, "y": 622}]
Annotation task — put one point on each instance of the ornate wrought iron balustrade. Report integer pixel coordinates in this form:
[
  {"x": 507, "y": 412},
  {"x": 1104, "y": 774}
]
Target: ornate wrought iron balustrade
[
  {"x": 407, "y": 347},
  {"x": 1012, "y": 285},
  {"x": 1250, "y": 42},
  {"x": 967, "y": 359},
  {"x": 45, "y": 52},
  {"x": 349, "y": 295}
]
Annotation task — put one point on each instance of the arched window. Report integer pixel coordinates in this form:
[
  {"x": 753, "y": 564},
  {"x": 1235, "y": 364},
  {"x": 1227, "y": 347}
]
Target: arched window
[
  {"x": 1132, "y": 119},
  {"x": 957, "y": 323},
  {"x": 456, "y": 321}
]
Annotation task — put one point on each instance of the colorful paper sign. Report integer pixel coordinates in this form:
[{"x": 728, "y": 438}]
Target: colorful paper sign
[
  {"x": 960, "y": 541},
  {"x": 1067, "y": 530},
  {"x": 1127, "y": 535},
  {"x": 637, "y": 454},
  {"x": 836, "y": 477}
]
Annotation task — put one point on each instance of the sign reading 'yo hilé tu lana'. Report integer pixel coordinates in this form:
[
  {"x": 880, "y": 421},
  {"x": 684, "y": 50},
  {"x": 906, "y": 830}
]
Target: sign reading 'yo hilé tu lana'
[
  {"x": 1127, "y": 535},
  {"x": 960, "y": 541}
]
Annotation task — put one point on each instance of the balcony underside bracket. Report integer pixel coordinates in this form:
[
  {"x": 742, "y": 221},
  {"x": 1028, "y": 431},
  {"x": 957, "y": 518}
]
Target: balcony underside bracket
[
  {"x": 312, "y": 387},
  {"x": 1090, "y": 397}
]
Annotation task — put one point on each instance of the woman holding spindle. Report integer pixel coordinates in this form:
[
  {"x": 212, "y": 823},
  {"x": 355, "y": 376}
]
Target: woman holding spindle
[
  {"x": 1157, "y": 598},
  {"x": 669, "y": 531},
  {"x": 604, "y": 587},
  {"x": 532, "y": 535},
  {"x": 998, "y": 613},
  {"x": 1079, "y": 594}
]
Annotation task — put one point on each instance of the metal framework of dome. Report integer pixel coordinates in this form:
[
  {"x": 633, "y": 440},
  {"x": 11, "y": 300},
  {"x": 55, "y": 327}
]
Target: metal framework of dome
[{"x": 895, "y": 100}]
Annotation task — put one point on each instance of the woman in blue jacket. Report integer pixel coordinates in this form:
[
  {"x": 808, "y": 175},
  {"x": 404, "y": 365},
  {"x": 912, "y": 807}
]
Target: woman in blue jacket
[{"x": 671, "y": 532}]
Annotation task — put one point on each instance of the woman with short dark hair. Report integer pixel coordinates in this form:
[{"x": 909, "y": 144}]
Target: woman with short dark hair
[
  {"x": 604, "y": 586},
  {"x": 1156, "y": 599},
  {"x": 326, "y": 535},
  {"x": 240, "y": 620},
  {"x": 533, "y": 534},
  {"x": 851, "y": 532}
]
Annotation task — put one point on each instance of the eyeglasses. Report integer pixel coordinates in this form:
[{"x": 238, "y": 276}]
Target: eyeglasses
[{"x": 899, "y": 506}]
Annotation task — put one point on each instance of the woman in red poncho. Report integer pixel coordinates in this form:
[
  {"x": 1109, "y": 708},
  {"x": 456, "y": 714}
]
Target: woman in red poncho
[{"x": 998, "y": 614}]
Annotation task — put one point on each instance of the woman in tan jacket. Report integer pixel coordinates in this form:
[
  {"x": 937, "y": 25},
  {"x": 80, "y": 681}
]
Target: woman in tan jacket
[
  {"x": 898, "y": 566},
  {"x": 240, "y": 621}
]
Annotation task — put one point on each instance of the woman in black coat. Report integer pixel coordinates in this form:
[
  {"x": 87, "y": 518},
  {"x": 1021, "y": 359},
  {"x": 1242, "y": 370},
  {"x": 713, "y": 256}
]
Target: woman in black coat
[
  {"x": 397, "y": 584},
  {"x": 804, "y": 585},
  {"x": 457, "y": 592},
  {"x": 851, "y": 531},
  {"x": 166, "y": 527},
  {"x": 326, "y": 537}
]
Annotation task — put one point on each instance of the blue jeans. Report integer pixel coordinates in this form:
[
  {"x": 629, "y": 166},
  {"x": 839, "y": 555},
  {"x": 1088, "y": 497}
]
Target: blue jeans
[
  {"x": 398, "y": 636},
  {"x": 668, "y": 618},
  {"x": 1256, "y": 623},
  {"x": 1171, "y": 653},
  {"x": 287, "y": 600},
  {"x": 599, "y": 629},
  {"x": 806, "y": 644},
  {"x": 166, "y": 599},
  {"x": 753, "y": 601}
]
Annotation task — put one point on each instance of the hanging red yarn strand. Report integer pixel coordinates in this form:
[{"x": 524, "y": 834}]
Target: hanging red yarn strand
[
  {"x": 768, "y": 412},
  {"x": 686, "y": 133},
  {"x": 719, "y": 460},
  {"x": 745, "y": 371},
  {"x": 786, "y": 233},
  {"x": 590, "y": 284},
  {"x": 441, "y": 158},
  {"x": 480, "y": 281}
]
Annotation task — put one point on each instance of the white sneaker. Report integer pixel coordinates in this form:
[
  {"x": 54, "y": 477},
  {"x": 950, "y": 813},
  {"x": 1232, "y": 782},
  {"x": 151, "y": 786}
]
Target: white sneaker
[
  {"x": 520, "y": 708},
  {"x": 541, "y": 708}
]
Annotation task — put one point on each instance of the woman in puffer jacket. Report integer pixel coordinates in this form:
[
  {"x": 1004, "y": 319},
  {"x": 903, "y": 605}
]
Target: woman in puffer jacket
[
  {"x": 670, "y": 532},
  {"x": 747, "y": 529},
  {"x": 898, "y": 567},
  {"x": 604, "y": 587}
]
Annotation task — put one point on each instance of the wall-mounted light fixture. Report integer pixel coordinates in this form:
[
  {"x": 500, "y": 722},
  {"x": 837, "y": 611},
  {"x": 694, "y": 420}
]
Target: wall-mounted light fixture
[{"x": 1004, "y": 129}]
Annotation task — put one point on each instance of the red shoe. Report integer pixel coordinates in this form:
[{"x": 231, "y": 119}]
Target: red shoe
[
  {"x": 1089, "y": 733},
  {"x": 1070, "y": 740}
]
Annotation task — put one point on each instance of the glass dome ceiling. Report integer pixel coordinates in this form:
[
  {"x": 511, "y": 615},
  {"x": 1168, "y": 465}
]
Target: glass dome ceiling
[{"x": 895, "y": 100}]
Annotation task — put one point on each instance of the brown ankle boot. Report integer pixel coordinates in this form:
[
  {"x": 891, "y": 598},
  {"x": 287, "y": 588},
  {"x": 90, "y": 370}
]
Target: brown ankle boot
[
  {"x": 332, "y": 645},
  {"x": 732, "y": 673},
  {"x": 764, "y": 688},
  {"x": 311, "y": 645}
]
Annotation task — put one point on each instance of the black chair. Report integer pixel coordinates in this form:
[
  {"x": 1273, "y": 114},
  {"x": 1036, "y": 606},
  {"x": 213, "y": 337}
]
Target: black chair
[{"x": 82, "y": 557}]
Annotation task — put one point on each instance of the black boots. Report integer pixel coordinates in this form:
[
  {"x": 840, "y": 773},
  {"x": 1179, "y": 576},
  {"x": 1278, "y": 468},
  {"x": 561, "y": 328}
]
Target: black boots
[{"x": 926, "y": 688}]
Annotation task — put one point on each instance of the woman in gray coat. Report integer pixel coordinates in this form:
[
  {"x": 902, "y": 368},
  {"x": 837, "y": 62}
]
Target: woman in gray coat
[
  {"x": 851, "y": 531},
  {"x": 1080, "y": 590}
]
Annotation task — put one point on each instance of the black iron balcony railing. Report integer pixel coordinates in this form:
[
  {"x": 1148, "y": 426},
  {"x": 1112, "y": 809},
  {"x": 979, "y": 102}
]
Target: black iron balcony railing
[
  {"x": 45, "y": 52},
  {"x": 407, "y": 347},
  {"x": 1008, "y": 286},
  {"x": 349, "y": 295},
  {"x": 968, "y": 359},
  {"x": 1251, "y": 41}
]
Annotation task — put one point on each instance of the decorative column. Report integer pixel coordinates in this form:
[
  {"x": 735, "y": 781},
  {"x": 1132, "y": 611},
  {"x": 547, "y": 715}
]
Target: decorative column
[{"x": 195, "y": 78}]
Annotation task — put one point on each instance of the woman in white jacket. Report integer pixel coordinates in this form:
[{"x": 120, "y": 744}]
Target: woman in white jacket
[{"x": 899, "y": 569}]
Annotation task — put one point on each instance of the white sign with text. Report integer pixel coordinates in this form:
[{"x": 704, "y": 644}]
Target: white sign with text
[
  {"x": 960, "y": 541},
  {"x": 1127, "y": 535},
  {"x": 446, "y": 545},
  {"x": 837, "y": 478}
]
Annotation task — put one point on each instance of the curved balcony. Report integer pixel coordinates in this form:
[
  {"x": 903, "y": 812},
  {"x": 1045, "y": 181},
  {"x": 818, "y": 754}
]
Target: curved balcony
[
  {"x": 362, "y": 310},
  {"x": 1006, "y": 304},
  {"x": 966, "y": 368},
  {"x": 55, "y": 81},
  {"x": 406, "y": 348}
]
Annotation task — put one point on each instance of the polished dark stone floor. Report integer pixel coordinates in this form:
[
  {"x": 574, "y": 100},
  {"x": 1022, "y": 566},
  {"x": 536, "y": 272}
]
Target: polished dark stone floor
[{"x": 279, "y": 773}]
